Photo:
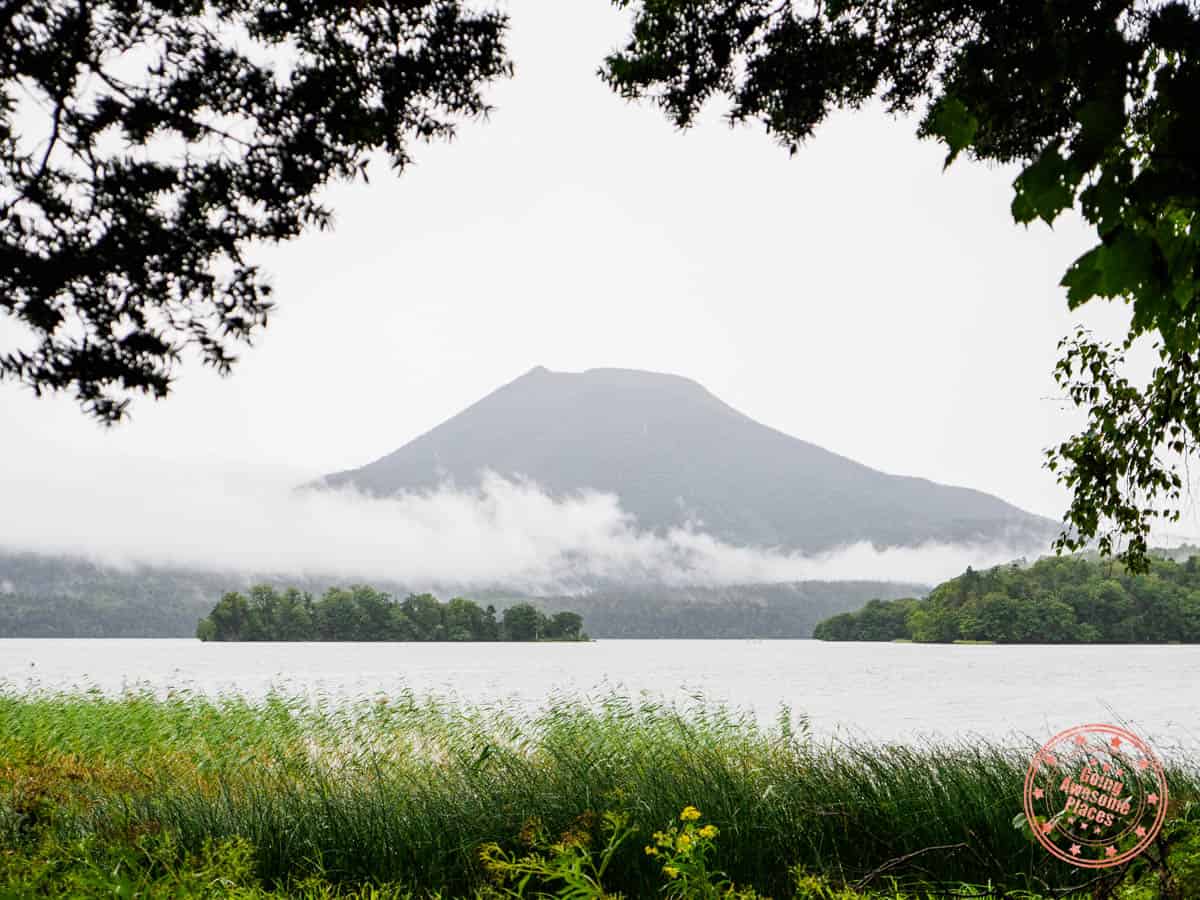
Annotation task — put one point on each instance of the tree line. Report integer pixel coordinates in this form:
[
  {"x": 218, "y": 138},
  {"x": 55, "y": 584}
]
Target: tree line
[
  {"x": 362, "y": 613},
  {"x": 1056, "y": 600}
]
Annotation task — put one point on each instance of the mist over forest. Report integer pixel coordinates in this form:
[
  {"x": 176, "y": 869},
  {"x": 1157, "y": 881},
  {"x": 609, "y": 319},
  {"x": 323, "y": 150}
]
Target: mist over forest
[
  {"x": 642, "y": 494},
  {"x": 654, "y": 507}
]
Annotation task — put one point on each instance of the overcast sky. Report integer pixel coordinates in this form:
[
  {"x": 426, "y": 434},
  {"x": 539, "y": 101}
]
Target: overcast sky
[{"x": 853, "y": 295}]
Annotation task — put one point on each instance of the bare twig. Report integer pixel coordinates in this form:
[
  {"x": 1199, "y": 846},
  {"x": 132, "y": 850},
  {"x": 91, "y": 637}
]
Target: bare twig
[{"x": 899, "y": 860}]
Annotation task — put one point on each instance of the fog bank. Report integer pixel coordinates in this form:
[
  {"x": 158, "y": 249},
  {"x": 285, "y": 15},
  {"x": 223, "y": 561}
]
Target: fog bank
[{"x": 509, "y": 532}]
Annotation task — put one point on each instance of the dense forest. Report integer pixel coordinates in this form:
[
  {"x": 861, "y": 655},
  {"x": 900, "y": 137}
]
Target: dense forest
[
  {"x": 1056, "y": 600},
  {"x": 361, "y": 613},
  {"x": 63, "y": 597}
]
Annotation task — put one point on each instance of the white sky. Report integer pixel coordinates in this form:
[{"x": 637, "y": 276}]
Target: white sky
[{"x": 853, "y": 295}]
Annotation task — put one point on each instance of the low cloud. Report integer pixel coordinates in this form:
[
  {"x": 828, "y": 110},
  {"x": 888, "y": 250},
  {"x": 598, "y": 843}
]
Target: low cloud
[{"x": 508, "y": 532}]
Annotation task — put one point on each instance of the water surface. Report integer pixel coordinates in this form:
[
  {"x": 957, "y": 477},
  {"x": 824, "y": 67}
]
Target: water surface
[{"x": 877, "y": 691}]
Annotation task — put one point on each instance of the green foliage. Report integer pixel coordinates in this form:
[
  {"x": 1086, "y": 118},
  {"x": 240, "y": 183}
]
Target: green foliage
[
  {"x": 950, "y": 119},
  {"x": 153, "y": 866},
  {"x": 362, "y": 613},
  {"x": 877, "y": 621},
  {"x": 1123, "y": 467},
  {"x": 568, "y": 864},
  {"x": 1095, "y": 101},
  {"x": 150, "y": 865},
  {"x": 522, "y": 622},
  {"x": 116, "y": 254},
  {"x": 1068, "y": 599}
]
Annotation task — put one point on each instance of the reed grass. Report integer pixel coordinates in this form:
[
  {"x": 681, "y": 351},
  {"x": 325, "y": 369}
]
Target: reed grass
[{"x": 403, "y": 791}]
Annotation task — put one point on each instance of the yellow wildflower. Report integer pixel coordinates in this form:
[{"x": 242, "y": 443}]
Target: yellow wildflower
[
  {"x": 652, "y": 851},
  {"x": 671, "y": 871},
  {"x": 683, "y": 843},
  {"x": 689, "y": 814},
  {"x": 708, "y": 831}
]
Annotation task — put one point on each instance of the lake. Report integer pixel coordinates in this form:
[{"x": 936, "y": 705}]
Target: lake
[{"x": 873, "y": 691}]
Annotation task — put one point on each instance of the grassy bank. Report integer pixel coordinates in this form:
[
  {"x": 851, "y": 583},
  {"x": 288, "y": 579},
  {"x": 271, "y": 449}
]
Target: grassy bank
[{"x": 199, "y": 797}]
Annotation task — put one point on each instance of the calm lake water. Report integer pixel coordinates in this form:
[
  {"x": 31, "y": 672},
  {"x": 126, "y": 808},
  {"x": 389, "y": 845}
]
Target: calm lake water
[{"x": 874, "y": 691}]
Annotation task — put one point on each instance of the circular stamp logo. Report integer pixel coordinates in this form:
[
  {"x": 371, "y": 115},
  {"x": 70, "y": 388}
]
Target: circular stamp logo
[{"x": 1095, "y": 795}]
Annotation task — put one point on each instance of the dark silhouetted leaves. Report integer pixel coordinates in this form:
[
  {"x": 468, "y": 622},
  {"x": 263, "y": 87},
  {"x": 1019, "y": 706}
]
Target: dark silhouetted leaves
[{"x": 177, "y": 136}]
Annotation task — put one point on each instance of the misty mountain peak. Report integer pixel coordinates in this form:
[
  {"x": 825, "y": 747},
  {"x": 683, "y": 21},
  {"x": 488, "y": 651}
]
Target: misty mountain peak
[
  {"x": 676, "y": 455},
  {"x": 616, "y": 377}
]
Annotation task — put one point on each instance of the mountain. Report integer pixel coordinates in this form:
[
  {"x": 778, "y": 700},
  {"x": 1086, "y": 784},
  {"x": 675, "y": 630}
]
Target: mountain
[{"x": 675, "y": 454}]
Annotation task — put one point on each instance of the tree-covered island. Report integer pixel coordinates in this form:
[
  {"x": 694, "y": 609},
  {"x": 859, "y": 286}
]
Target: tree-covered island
[
  {"x": 361, "y": 613},
  {"x": 1056, "y": 600}
]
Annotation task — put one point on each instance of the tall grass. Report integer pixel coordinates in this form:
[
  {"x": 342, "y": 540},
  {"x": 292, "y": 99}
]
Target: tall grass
[{"x": 405, "y": 790}]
